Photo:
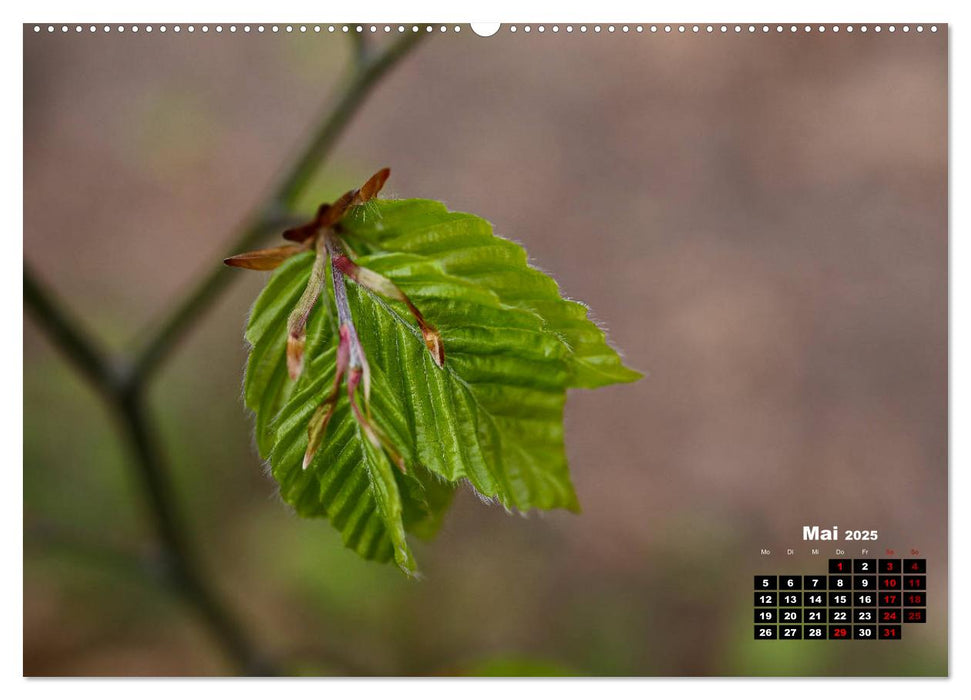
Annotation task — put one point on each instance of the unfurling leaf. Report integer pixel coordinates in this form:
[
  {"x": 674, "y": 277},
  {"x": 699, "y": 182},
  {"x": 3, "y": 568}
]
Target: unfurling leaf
[{"x": 445, "y": 358}]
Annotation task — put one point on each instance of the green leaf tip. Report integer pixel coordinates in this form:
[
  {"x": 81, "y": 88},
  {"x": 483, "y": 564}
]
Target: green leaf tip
[{"x": 360, "y": 415}]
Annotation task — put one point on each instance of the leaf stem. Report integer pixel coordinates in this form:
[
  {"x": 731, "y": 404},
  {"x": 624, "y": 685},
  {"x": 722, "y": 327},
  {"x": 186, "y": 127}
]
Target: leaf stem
[{"x": 344, "y": 317}]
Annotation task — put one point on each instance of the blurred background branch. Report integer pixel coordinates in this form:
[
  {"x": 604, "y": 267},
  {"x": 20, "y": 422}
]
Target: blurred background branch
[
  {"x": 122, "y": 381},
  {"x": 89, "y": 359},
  {"x": 366, "y": 71}
]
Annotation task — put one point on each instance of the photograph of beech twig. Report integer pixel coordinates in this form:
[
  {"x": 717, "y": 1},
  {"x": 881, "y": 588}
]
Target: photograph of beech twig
[{"x": 425, "y": 353}]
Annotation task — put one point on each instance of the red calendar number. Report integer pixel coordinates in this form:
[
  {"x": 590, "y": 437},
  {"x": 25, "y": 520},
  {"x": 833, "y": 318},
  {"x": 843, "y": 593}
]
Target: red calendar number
[
  {"x": 918, "y": 615},
  {"x": 918, "y": 583}
]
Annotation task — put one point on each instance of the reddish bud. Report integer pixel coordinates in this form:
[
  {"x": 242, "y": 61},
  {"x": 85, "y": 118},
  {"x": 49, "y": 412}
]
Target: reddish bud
[
  {"x": 295, "y": 346},
  {"x": 370, "y": 189},
  {"x": 266, "y": 259},
  {"x": 433, "y": 341},
  {"x": 335, "y": 212},
  {"x": 317, "y": 429},
  {"x": 301, "y": 234}
]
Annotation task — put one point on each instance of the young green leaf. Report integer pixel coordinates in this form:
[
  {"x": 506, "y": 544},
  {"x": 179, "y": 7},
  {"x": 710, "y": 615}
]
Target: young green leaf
[
  {"x": 464, "y": 246},
  {"x": 431, "y": 354}
]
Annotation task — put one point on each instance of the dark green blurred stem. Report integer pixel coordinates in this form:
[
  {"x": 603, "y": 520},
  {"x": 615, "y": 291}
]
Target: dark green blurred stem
[
  {"x": 361, "y": 46},
  {"x": 122, "y": 382},
  {"x": 88, "y": 358},
  {"x": 178, "y": 564},
  {"x": 368, "y": 69},
  {"x": 179, "y": 570}
]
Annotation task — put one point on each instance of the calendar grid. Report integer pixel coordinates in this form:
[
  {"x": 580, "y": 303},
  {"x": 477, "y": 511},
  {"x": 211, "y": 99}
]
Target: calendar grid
[{"x": 860, "y": 599}]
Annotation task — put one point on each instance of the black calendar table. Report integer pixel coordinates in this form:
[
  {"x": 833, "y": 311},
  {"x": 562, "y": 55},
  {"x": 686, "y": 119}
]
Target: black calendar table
[{"x": 854, "y": 599}]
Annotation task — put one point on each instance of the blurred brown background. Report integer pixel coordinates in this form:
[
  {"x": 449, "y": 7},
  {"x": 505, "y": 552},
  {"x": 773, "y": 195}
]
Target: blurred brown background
[{"x": 759, "y": 220}]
